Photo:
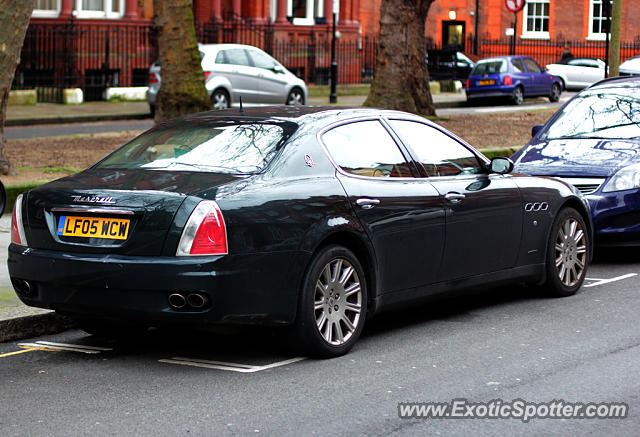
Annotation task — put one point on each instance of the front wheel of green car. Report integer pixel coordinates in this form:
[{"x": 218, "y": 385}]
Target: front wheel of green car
[{"x": 567, "y": 254}]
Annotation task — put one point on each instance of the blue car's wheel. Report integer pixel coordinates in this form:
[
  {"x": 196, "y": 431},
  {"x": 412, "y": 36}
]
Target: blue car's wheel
[
  {"x": 517, "y": 97},
  {"x": 554, "y": 95}
]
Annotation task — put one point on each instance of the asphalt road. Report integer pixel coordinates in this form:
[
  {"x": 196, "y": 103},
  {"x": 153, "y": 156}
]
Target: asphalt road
[{"x": 505, "y": 344}]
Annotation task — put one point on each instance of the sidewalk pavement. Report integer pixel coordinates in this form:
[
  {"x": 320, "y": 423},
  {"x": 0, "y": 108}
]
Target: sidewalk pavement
[
  {"x": 18, "y": 321},
  {"x": 51, "y": 113}
]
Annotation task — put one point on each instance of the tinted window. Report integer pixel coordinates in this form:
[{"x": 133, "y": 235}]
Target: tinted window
[
  {"x": 491, "y": 67},
  {"x": 262, "y": 60},
  {"x": 532, "y": 66},
  {"x": 221, "y": 148},
  {"x": 366, "y": 149},
  {"x": 440, "y": 154},
  {"x": 518, "y": 65},
  {"x": 233, "y": 56}
]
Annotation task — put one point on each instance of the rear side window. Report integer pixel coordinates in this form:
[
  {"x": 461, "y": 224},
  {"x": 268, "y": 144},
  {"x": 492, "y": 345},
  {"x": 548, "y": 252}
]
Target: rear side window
[
  {"x": 518, "y": 65},
  {"x": 233, "y": 56},
  {"x": 440, "y": 154},
  {"x": 491, "y": 67},
  {"x": 365, "y": 148}
]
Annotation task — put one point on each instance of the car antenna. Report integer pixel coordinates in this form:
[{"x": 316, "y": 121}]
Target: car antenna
[{"x": 241, "y": 109}]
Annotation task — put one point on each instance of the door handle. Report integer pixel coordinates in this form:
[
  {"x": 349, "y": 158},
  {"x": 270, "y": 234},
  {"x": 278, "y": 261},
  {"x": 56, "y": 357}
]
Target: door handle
[
  {"x": 367, "y": 203},
  {"x": 454, "y": 197}
]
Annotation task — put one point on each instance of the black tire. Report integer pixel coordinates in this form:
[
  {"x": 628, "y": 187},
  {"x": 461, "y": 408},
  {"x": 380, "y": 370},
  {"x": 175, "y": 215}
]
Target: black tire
[
  {"x": 568, "y": 254},
  {"x": 555, "y": 92},
  {"x": 110, "y": 329},
  {"x": 3, "y": 198},
  {"x": 220, "y": 99},
  {"x": 152, "y": 110},
  {"x": 517, "y": 97},
  {"x": 331, "y": 313},
  {"x": 295, "y": 97}
]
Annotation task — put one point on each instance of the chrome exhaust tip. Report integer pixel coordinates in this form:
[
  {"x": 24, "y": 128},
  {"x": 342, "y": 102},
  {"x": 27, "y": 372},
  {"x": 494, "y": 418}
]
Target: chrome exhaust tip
[
  {"x": 177, "y": 301},
  {"x": 197, "y": 300},
  {"x": 24, "y": 287}
]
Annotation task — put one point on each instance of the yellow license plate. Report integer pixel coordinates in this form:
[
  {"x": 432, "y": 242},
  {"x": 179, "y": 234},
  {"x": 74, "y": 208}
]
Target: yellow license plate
[
  {"x": 486, "y": 82},
  {"x": 94, "y": 227}
]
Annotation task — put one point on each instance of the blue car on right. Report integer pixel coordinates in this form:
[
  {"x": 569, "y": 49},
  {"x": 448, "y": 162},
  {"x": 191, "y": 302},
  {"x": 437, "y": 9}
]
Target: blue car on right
[
  {"x": 512, "y": 77},
  {"x": 593, "y": 143}
]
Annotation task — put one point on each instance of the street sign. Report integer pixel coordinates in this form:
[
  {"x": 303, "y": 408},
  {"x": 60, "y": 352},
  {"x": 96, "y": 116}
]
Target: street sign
[{"x": 514, "y": 5}]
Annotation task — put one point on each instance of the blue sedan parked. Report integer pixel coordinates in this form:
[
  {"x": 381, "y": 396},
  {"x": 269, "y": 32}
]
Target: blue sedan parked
[
  {"x": 514, "y": 77},
  {"x": 593, "y": 142}
]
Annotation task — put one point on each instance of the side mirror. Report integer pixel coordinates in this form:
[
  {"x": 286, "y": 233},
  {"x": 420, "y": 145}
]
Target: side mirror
[
  {"x": 501, "y": 165},
  {"x": 537, "y": 128},
  {"x": 278, "y": 69}
]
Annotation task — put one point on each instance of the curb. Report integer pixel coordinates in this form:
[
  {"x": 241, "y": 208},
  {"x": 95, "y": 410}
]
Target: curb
[
  {"x": 33, "y": 326},
  {"x": 80, "y": 119}
]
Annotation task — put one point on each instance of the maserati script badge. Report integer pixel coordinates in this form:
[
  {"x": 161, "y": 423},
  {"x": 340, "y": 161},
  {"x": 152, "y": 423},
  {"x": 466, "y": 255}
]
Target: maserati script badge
[{"x": 94, "y": 199}]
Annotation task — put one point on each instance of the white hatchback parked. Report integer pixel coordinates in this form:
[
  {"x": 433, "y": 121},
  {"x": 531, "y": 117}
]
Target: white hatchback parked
[{"x": 234, "y": 71}]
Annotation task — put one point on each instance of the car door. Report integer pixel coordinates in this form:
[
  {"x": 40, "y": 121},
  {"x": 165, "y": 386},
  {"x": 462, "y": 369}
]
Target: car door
[
  {"x": 593, "y": 71},
  {"x": 271, "y": 77},
  {"x": 540, "y": 81},
  {"x": 483, "y": 211},
  {"x": 234, "y": 63},
  {"x": 402, "y": 215},
  {"x": 521, "y": 75}
]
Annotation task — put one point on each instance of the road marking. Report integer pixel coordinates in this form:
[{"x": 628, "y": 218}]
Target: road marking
[
  {"x": 58, "y": 347},
  {"x": 231, "y": 367},
  {"x": 606, "y": 281},
  {"x": 26, "y": 349}
]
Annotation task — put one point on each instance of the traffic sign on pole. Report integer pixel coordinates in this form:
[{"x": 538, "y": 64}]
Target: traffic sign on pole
[{"x": 514, "y": 5}]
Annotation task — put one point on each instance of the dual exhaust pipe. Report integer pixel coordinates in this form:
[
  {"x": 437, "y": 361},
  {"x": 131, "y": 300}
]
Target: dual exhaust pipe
[
  {"x": 191, "y": 301},
  {"x": 24, "y": 287}
]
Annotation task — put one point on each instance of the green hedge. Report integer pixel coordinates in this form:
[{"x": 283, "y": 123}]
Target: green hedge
[{"x": 13, "y": 190}]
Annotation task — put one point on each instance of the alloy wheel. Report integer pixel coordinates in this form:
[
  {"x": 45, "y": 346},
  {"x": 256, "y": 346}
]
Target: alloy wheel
[
  {"x": 337, "y": 302},
  {"x": 570, "y": 252}
]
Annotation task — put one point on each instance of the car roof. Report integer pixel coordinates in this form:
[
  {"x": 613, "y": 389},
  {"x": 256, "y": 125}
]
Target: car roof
[
  {"x": 216, "y": 47},
  {"x": 502, "y": 58},
  {"x": 293, "y": 113},
  {"x": 617, "y": 82}
]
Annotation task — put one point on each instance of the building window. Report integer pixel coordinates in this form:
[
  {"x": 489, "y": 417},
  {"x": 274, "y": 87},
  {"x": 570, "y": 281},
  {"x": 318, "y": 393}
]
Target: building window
[
  {"x": 99, "y": 8},
  {"x": 536, "y": 19},
  {"x": 46, "y": 9},
  {"x": 305, "y": 12},
  {"x": 597, "y": 20}
]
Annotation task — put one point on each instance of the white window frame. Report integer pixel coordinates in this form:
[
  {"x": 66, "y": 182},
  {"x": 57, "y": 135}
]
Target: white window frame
[
  {"x": 525, "y": 18},
  {"x": 600, "y": 36},
  {"x": 310, "y": 19},
  {"x": 105, "y": 13},
  {"x": 47, "y": 13}
]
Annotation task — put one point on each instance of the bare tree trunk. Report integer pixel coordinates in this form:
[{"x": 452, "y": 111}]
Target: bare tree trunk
[
  {"x": 182, "y": 91},
  {"x": 14, "y": 20},
  {"x": 401, "y": 77}
]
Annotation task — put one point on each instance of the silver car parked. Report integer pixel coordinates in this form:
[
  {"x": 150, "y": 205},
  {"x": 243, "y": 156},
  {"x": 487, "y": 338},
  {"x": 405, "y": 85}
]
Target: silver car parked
[{"x": 234, "y": 71}]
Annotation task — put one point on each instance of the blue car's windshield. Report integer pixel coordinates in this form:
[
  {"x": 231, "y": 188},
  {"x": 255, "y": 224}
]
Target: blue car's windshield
[{"x": 611, "y": 113}]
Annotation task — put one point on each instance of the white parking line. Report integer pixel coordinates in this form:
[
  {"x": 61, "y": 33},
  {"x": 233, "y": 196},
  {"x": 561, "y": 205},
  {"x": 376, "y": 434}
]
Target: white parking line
[
  {"x": 606, "y": 281},
  {"x": 48, "y": 345},
  {"x": 231, "y": 367}
]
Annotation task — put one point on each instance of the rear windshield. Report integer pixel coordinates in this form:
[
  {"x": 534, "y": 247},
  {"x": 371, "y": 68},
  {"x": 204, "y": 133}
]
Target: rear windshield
[
  {"x": 223, "y": 147},
  {"x": 490, "y": 67}
]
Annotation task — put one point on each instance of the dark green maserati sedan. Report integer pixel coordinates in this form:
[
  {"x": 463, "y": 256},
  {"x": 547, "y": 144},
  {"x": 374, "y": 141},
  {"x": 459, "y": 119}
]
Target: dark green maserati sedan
[{"x": 313, "y": 218}]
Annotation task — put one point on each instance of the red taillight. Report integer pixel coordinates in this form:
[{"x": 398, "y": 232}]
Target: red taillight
[
  {"x": 17, "y": 228},
  {"x": 467, "y": 84},
  {"x": 508, "y": 80},
  {"x": 153, "y": 78},
  {"x": 206, "y": 75},
  {"x": 205, "y": 232}
]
